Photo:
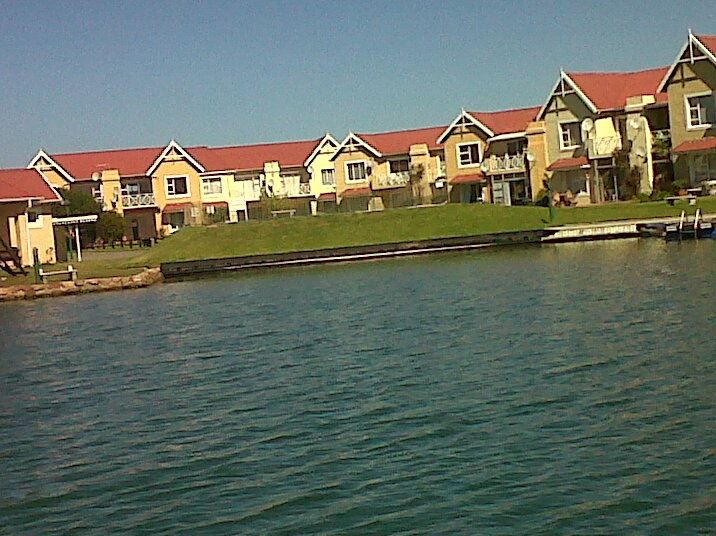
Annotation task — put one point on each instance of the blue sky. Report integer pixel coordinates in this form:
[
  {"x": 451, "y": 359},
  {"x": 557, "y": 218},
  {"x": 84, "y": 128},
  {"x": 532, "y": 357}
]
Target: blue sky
[{"x": 81, "y": 76}]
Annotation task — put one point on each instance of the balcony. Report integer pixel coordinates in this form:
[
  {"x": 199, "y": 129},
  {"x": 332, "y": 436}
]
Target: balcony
[
  {"x": 506, "y": 163},
  {"x": 138, "y": 201},
  {"x": 603, "y": 147},
  {"x": 392, "y": 180},
  {"x": 294, "y": 188}
]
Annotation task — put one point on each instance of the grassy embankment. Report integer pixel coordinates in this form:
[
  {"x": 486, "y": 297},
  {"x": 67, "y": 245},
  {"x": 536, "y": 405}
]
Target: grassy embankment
[{"x": 338, "y": 230}]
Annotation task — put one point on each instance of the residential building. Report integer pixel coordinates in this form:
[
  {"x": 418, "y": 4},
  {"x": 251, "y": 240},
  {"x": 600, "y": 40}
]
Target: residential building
[
  {"x": 25, "y": 218},
  {"x": 486, "y": 157},
  {"x": 389, "y": 169},
  {"x": 600, "y": 129},
  {"x": 690, "y": 83},
  {"x": 158, "y": 189}
]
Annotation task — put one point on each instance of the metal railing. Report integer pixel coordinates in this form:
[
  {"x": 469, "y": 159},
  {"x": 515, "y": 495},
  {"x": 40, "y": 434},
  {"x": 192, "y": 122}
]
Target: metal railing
[
  {"x": 399, "y": 178},
  {"x": 602, "y": 147},
  {"x": 506, "y": 163},
  {"x": 138, "y": 200}
]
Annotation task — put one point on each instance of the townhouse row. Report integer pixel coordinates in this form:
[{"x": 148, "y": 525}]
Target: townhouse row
[{"x": 597, "y": 137}]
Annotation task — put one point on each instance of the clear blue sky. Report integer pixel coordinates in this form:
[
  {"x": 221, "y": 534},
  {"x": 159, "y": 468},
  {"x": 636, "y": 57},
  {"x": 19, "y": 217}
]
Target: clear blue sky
[{"x": 82, "y": 76}]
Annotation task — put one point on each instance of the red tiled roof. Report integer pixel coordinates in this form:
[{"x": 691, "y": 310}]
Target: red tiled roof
[
  {"x": 24, "y": 184},
  {"x": 507, "y": 121},
  {"x": 610, "y": 90},
  {"x": 709, "y": 41},
  {"x": 704, "y": 144},
  {"x": 177, "y": 207},
  {"x": 129, "y": 162},
  {"x": 327, "y": 196},
  {"x": 468, "y": 179},
  {"x": 399, "y": 141},
  {"x": 564, "y": 164},
  {"x": 357, "y": 192},
  {"x": 249, "y": 157}
]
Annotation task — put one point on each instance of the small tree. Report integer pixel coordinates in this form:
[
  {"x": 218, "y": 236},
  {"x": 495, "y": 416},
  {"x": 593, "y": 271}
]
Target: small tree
[
  {"x": 110, "y": 226},
  {"x": 75, "y": 203},
  {"x": 416, "y": 174}
]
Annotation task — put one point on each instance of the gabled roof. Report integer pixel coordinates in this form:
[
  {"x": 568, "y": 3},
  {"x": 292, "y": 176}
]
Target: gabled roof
[
  {"x": 21, "y": 184},
  {"x": 704, "y": 144},
  {"x": 326, "y": 140},
  {"x": 253, "y": 157},
  {"x": 564, "y": 164},
  {"x": 499, "y": 123},
  {"x": 701, "y": 44},
  {"x": 173, "y": 147},
  {"x": 400, "y": 141},
  {"x": 129, "y": 162},
  {"x": 602, "y": 91}
]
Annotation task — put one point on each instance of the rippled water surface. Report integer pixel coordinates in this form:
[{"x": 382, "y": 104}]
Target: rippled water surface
[{"x": 558, "y": 390}]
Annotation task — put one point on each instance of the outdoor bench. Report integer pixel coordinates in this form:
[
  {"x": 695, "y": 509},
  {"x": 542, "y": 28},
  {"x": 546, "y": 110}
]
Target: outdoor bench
[
  {"x": 70, "y": 271},
  {"x": 674, "y": 198}
]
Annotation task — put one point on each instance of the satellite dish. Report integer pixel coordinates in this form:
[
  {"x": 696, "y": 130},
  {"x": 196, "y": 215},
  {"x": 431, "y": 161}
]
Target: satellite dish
[
  {"x": 485, "y": 167},
  {"x": 587, "y": 125},
  {"x": 530, "y": 157},
  {"x": 96, "y": 175}
]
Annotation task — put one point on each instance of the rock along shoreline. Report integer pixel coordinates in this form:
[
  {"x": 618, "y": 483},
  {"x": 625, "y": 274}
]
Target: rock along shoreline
[{"x": 150, "y": 276}]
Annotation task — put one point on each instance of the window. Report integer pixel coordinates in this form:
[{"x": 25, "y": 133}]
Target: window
[
  {"x": 700, "y": 110},
  {"x": 131, "y": 188},
  {"x": 328, "y": 177},
  {"x": 468, "y": 154},
  {"x": 32, "y": 217},
  {"x": 211, "y": 185},
  {"x": 177, "y": 186},
  {"x": 516, "y": 146},
  {"x": 356, "y": 171},
  {"x": 704, "y": 168},
  {"x": 396, "y": 166},
  {"x": 570, "y": 135},
  {"x": 97, "y": 192}
]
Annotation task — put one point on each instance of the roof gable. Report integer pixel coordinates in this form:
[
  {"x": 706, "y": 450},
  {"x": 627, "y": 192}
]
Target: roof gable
[
  {"x": 22, "y": 184},
  {"x": 696, "y": 47},
  {"x": 507, "y": 121},
  {"x": 42, "y": 158},
  {"x": 327, "y": 140}
]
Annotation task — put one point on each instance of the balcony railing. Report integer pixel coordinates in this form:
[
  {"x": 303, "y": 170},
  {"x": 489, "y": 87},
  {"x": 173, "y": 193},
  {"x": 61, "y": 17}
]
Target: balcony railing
[
  {"x": 138, "y": 200},
  {"x": 507, "y": 163},
  {"x": 603, "y": 147},
  {"x": 392, "y": 180}
]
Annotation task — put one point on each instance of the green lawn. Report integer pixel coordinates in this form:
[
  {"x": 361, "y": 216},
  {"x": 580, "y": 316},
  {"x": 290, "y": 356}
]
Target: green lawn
[
  {"x": 336, "y": 230},
  {"x": 396, "y": 225}
]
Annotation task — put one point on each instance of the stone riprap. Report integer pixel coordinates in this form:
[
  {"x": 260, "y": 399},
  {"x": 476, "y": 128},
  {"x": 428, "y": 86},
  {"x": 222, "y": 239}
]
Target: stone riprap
[{"x": 149, "y": 276}]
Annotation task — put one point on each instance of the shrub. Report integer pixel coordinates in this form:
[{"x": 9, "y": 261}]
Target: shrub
[
  {"x": 678, "y": 185},
  {"x": 542, "y": 198},
  {"x": 75, "y": 203},
  {"x": 110, "y": 226}
]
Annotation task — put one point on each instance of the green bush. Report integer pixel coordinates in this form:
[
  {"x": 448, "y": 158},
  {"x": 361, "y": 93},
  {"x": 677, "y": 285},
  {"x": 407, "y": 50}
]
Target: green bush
[
  {"x": 75, "y": 203},
  {"x": 110, "y": 226},
  {"x": 644, "y": 197},
  {"x": 542, "y": 198},
  {"x": 678, "y": 185}
]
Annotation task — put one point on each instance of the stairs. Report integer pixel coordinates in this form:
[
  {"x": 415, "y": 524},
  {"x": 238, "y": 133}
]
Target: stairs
[{"x": 10, "y": 260}]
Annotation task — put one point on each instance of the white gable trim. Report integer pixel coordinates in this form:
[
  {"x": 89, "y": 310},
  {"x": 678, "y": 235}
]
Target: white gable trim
[
  {"x": 471, "y": 119},
  {"x": 507, "y": 136},
  {"x": 358, "y": 141},
  {"x": 42, "y": 154},
  {"x": 326, "y": 139},
  {"x": 564, "y": 77},
  {"x": 690, "y": 42},
  {"x": 174, "y": 145}
]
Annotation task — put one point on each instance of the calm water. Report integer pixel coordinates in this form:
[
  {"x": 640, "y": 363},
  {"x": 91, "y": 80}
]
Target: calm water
[{"x": 558, "y": 390}]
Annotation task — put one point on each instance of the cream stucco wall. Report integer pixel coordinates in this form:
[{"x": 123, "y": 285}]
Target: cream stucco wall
[
  {"x": 320, "y": 162},
  {"x": 18, "y": 232}
]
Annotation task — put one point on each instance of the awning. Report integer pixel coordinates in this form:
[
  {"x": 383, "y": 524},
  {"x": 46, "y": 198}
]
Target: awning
[
  {"x": 328, "y": 196},
  {"x": 565, "y": 164},
  {"x": 217, "y": 204},
  {"x": 704, "y": 144},
  {"x": 469, "y": 179},
  {"x": 176, "y": 207},
  {"x": 75, "y": 220},
  {"x": 357, "y": 192}
]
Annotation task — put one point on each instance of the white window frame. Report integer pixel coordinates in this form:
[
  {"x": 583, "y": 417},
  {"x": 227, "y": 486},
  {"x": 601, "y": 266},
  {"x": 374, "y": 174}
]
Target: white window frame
[
  {"x": 687, "y": 109},
  {"x": 125, "y": 188},
  {"x": 98, "y": 192},
  {"x": 562, "y": 146},
  {"x": 206, "y": 181},
  {"x": 480, "y": 154},
  {"x": 365, "y": 170},
  {"x": 332, "y": 180},
  {"x": 37, "y": 224},
  {"x": 175, "y": 196}
]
